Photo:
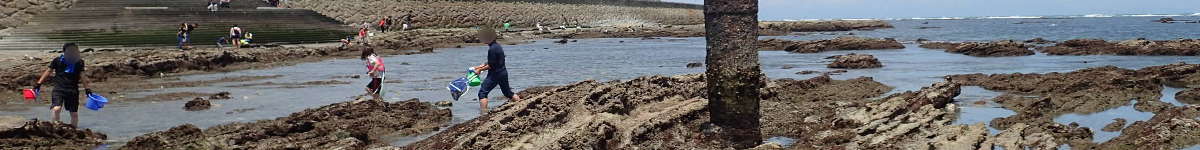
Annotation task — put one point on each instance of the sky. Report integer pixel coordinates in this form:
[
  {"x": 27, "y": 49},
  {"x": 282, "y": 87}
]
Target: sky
[{"x": 880, "y": 9}]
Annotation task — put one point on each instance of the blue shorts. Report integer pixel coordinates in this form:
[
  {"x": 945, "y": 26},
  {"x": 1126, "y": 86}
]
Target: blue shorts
[{"x": 492, "y": 81}]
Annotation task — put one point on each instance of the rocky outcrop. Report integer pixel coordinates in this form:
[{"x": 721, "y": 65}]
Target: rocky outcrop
[
  {"x": 810, "y": 110},
  {"x": 1039, "y": 41},
  {"x": 15, "y": 13},
  {"x": 783, "y": 27},
  {"x": 854, "y": 61},
  {"x": 663, "y": 112},
  {"x": 840, "y": 43},
  {"x": 939, "y": 45},
  {"x": 1083, "y": 91},
  {"x": 1182, "y": 47},
  {"x": 897, "y": 121},
  {"x": 1189, "y": 96},
  {"x": 978, "y": 49},
  {"x": 465, "y": 14},
  {"x": 1176, "y": 128},
  {"x": 357, "y": 124},
  {"x": 1116, "y": 125},
  {"x": 197, "y": 104},
  {"x": 36, "y": 134}
]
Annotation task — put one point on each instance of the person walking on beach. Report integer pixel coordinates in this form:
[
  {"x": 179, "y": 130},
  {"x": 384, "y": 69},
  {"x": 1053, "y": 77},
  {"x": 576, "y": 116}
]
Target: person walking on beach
[
  {"x": 68, "y": 74},
  {"x": 497, "y": 72},
  {"x": 235, "y": 36},
  {"x": 375, "y": 70}
]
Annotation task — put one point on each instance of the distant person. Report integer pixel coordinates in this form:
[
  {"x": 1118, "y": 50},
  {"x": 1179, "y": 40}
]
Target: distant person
[
  {"x": 68, "y": 74},
  {"x": 507, "y": 26},
  {"x": 227, "y": 3},
  {"x": 362, "y": 35},
  {"x": 497, "y": 72},
  {"x": 184, "y": 35},
  {"x": 383, "y": 24},
  {"x": 235, "y": 36},
  {"x": 375, "y": 70},
  {"x": 213, "y": 5},
  {"x": 540, "y": 27},
  {"x": 408, "y": 19}
]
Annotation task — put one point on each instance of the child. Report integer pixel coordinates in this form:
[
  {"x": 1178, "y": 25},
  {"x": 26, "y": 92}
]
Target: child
[{"x": 375, "y": 70}]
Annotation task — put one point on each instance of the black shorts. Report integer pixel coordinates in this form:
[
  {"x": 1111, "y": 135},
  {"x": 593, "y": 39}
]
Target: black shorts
[
  {"x": 375, "y": 83},
  {"x": 69, "y": 99}
]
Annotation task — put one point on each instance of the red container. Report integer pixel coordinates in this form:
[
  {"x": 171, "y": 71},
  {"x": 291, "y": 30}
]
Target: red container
[{"x": 29, "y": 94}]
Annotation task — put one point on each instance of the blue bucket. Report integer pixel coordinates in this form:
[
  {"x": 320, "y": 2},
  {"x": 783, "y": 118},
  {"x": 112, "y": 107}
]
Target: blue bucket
[{"x": 95, "y": 101}]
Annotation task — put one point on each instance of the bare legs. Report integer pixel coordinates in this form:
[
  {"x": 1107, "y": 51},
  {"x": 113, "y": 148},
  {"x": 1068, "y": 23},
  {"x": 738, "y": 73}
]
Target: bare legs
[
  {"x": 483, "y": 103},
  {"x": 58, "y": 110}
]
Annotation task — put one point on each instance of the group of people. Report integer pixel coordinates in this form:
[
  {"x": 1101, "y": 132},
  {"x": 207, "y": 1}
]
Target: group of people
[
  {"x": 495, "y": 66},
  {"x": 237, "y": 37},
  {"x": 387, "y": 23},
  {"x": 184, "y": 35},
  {"x": 68, "y": 70},
  {"x": 214, "y": 5}
]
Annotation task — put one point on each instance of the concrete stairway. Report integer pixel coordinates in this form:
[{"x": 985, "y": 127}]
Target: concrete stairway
[{"x": 145, "y": 23}]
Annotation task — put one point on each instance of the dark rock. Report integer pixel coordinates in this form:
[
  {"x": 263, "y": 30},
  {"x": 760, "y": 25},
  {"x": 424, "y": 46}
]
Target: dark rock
[
  {"x": 1141, "y": 47},
  {"x": 855, "y": 61},
  {"x": 34, "y": 134},
  {"x": 840, "y": 43},
  {"x": 1039, "y": 41},
  {"x": 1116, "y": 125},
  {"x": 695, "y": 65},
  {"x": 197, "y": 104},
  {"x": 807, "y": 72},
  {"x": 1189, "y": 96},
  {"x": 992, "y": 49}
]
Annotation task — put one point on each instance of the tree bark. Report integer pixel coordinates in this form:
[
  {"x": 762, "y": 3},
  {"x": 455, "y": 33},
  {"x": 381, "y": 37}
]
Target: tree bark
[{"x": 733, "y": 75}]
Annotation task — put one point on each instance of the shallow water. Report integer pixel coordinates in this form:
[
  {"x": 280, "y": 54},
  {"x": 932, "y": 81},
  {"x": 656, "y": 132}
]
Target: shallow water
[
  {"x": 972, "y": 112},
  {"x": 1097, "y": 121},
  {"x": 547, "y": 63}
]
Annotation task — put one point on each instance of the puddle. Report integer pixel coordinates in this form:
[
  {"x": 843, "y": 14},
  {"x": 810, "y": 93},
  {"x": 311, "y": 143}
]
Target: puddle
[
  {"x": 782, "y": 141},
  {"x": 1168, "y": 95},
  {"x": 1097, "y": 121},
  {"x": 977, "y": 107}
]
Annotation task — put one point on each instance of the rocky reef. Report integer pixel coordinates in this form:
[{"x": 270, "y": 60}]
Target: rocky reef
[
  {"x": 35, "y": 134},
  {"x": 983, "y": 49},
  {"x": 840, "y": 43},
  {"x": 358, "y": 124},
  {"x": 783, "y": 27},
  {"x": 1141, "y": 47},
  {"x": 854, "y": 61}
]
